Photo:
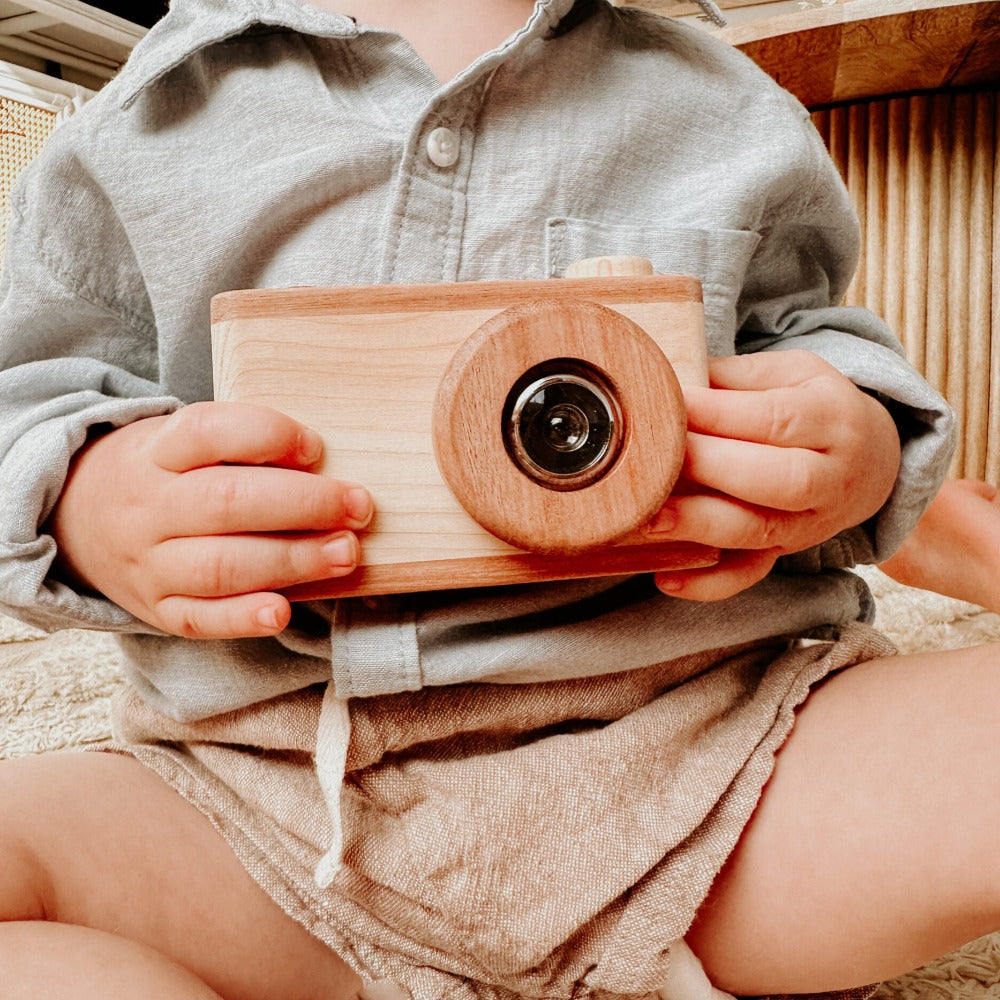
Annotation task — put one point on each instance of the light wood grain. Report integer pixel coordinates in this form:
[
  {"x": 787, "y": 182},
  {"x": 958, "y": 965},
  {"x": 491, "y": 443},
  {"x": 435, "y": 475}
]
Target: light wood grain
[
  {"x": 514, "y": 567},
  {"x": 469, "y": 435},
  {"x": 362, "y": 366}
]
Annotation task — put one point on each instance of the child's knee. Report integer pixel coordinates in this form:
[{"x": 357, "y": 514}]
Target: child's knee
[
  {"x": 25, "y": 884},
  {"x": 60, "y": 817}
]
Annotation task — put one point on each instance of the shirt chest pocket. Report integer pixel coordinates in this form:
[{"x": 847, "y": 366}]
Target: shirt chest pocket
[{"x": 718, "y": 258}]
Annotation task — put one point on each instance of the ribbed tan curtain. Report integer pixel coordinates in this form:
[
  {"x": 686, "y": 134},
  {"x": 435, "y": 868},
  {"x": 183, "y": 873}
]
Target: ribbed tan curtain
[{"x": 924, "y": 173}]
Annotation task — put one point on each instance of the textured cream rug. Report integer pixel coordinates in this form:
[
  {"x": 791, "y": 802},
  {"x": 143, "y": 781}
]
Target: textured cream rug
[{"x": 55, "y": 691}]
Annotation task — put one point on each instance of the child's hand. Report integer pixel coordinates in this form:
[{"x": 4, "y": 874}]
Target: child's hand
[
  {"x": 191, "y": 521},
  {"x": 783, "y": 453}
]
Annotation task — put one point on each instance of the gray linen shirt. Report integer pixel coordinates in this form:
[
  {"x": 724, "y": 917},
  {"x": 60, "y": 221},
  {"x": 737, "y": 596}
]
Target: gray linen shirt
[{"x": 266, "y": 143}]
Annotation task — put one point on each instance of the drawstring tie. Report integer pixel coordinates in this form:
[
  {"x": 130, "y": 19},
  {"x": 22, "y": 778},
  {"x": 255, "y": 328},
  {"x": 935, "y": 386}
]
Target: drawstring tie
[
  {"x": 332, "y": 738},
  {"x": 686, "y": 979}
]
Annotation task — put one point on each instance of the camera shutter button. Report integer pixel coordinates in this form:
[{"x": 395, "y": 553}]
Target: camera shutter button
[{"x": 443, "y": 147}]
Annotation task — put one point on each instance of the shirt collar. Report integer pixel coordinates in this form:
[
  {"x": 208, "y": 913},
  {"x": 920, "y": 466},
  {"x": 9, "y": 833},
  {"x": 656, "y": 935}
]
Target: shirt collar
[{"x": 192, "y": 25}]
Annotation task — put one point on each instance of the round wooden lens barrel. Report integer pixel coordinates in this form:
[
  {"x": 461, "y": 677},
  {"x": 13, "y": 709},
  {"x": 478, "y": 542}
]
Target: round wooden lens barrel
[{"x": 559, "y": 426}]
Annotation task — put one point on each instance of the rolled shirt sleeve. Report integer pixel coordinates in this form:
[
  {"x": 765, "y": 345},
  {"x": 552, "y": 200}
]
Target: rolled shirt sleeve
[
  {"x": 790, "y": 300},
  {"x": 75, "y": 353}
]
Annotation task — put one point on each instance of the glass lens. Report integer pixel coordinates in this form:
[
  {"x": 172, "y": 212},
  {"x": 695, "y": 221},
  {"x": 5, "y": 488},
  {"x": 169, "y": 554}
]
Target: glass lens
[{"x": 563, "y": 424}]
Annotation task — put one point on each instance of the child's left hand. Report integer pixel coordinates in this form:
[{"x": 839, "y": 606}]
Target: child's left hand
[{"x": 783, "y": 453}]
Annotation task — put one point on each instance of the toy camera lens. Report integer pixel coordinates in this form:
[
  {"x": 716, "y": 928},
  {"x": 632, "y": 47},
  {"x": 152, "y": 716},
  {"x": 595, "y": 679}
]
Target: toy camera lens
[{"x": 563, "y": 425}]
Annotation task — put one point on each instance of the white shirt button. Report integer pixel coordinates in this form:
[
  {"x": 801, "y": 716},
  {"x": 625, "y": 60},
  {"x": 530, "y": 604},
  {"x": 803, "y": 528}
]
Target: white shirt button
[{"x": 442, "y": 147}]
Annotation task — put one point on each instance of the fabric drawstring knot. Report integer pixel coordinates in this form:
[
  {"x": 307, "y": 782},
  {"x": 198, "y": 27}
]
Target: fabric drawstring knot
[
  {"x": 332, "y": 739},
  {"x": 686, "y": 979}
]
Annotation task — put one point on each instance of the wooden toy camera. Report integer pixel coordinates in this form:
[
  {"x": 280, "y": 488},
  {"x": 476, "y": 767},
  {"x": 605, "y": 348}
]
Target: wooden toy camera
[{"x": 508, "y": 431}]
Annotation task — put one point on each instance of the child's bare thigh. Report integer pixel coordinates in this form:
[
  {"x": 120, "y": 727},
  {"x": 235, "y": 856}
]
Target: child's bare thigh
[
  {"x": 874, "y": 848},
  {"x": 100, "y": 841}
]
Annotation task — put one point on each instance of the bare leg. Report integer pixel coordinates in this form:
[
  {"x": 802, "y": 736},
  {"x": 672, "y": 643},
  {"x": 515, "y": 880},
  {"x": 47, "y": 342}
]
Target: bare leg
[
  {"x": 955, "y": 547},
  {"x": 89, "y": 964},
  {"x": 873, "y": 849},
  {"x": 111, "y": 885}
]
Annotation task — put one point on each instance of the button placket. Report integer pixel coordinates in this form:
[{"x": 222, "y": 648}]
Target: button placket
[{"x": 427, "y": 220}]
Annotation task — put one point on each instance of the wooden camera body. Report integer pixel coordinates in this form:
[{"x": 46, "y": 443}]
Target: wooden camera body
[{"x": 507, "y": 431}]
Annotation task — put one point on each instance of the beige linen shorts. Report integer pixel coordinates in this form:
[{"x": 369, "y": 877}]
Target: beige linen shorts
[{"x": 502, "y": 841}]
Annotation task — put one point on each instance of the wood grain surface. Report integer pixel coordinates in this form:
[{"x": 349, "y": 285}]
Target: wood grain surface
[
  {"x": 876, "y": 48},
  {"x": 473, "y": 453},
  {"x": 362, "y": 367}
]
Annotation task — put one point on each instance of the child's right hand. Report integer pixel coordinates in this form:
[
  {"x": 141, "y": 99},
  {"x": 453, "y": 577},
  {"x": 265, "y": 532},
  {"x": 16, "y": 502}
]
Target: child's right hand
[{"x": 192, "y": 521}]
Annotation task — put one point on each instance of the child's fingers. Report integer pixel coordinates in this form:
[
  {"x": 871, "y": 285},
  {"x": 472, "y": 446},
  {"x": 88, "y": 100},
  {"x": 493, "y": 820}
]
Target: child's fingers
[
  {"x": 240, "y": 617},
  {"x": 726, "y": 524},
  {"x": 204, "y": 434},
  {"x": 796, "y": 416},
  {"x": 788, "y": 479},
  {"x": 221, "y": 566},
  {"x": 734, "y": 573},
  {"x": 230, "y": 499},
  {"x": 766, "y": 369}
]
